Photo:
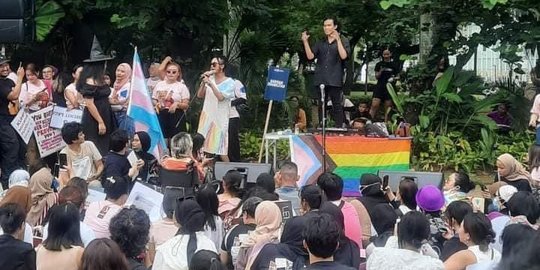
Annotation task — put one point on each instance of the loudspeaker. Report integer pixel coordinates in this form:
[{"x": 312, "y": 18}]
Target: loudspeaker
[
  {"x": 250, "y": 171},
  {"x": 421, "y": 178}
]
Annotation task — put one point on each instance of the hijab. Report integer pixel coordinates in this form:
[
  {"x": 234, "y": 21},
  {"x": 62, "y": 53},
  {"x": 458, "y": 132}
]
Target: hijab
[
  {"x": 372, "y": 194},
  {"x": 19, "y": 178},
  {"x": 43, "y": 196},
  {"x": 268, "y": 222},
  {"x": 191, "y": 218},
  {"x": 513, "y": 170},
  {"x": 19, "y": 195},
  {"x": 117, "y": 83},
  {"x": 146, "y": 142},
  {"x": 292, "y": 239}
]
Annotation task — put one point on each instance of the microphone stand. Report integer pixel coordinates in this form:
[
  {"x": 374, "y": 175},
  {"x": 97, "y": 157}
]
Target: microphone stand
[{"x": 323, "y": 107}]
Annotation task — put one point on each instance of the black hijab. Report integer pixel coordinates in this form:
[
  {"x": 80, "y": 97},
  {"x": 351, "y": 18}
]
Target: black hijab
[{"x": 146, "y": 142}]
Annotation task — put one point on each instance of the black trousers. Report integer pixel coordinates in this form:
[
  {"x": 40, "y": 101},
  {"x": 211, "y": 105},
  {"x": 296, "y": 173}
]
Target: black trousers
[
  {"x": 233, "y": 150},
  {"x": 12, "y": 150},
  {"x": 336, "y": 95}
]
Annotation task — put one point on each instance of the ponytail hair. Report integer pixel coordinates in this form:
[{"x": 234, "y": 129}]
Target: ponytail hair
[{"x": 206, "y": 260}]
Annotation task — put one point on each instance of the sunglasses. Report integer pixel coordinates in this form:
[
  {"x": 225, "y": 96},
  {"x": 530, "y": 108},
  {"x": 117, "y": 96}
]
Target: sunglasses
[{"x": 172, "y": 71}]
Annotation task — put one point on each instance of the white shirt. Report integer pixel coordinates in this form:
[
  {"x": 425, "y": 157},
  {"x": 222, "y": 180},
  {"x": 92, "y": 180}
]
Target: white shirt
[
  {"x": 28, "y": 234},
  {"x": 217, "y": 235},
  {"x": 87, "y": 235},
  {"x": 172, "y": 255},
  {"x": 403, "y": 259}
]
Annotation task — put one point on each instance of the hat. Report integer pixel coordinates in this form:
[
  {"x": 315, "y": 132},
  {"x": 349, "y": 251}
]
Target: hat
[
  {"x": 506, "y": 192},
  {"x": 430, "y": 198},
  {"x": 3, "y": 59},
  {"x": 96, "y": 53}
]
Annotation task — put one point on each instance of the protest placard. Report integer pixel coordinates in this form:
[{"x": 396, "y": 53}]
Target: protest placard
[
  {"x": 146, "y": 199},
  {"x": 49, "y": 140},
  {"x": 62, "y": 115},
  {"x": 276, "y": 84},
  {"x": 24, "y": 125}
]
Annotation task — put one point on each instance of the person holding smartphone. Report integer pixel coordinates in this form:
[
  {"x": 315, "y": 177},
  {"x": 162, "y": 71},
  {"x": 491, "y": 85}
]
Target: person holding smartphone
[{"x": 331, "y": 54}]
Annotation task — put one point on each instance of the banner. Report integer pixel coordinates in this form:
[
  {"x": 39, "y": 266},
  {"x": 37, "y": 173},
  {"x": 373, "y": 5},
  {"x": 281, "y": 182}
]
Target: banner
[
  {"x": 276, "y": 84},
  {"x": 49, "y": 140},
  {"x": 24, "y": 125},
  {"x": 62, "y": 115}
]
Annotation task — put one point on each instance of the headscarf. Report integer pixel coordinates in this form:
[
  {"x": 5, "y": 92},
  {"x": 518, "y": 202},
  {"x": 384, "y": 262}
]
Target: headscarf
[
  {"x": 117, "y": 83},
  {"x": 146, "y": 142},
  {"x": 268, "y": 220},
  {"x": 372, "y": 194},
  {"x": 19, "y": 178},
  {"x": 292, "y": 236},
  {"x": 513, "y": 170},
  {"x": 19, "y": 195},
  {"x": 43, "y": 196},
  {"x": 191, "y": 218}
]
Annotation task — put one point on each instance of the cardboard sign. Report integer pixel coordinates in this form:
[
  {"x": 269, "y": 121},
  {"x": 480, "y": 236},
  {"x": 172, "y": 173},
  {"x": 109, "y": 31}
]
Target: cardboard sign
[
  {"x": 276, "y": 84},
  {"x": 48, "y": 140},
  {"x": 62, "y": 115},
  {"x": 24, "y": 125},
  {"x": 286, "y": 208}
]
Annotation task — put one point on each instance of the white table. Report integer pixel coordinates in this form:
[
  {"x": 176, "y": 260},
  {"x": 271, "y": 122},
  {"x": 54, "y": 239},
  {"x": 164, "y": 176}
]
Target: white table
[{"x": 272, "y": 139}]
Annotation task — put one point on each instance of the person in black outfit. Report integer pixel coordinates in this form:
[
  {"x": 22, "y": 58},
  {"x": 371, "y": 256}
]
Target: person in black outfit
[
  {"x": 12, "y": 149},
  {"x": 385, "y": 72},
  {"x": 16, "y": 254},
  {"x": 130, "y": 229},
  {"x": 141, "y": 144},
  {"x": 321, "y": 235},
  {"x": 116, "y": 162},
  {"x": 454, "y": 214},
  {"x": 97, "y": 119},
  {"x": 331, "y": 54},
  {"x": 372, "y": 193},
  {"x": 290, "y": 247}
]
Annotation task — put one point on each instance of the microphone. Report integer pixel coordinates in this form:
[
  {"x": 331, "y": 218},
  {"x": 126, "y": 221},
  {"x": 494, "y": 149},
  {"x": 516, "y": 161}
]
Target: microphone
[
  {"x": 208, "y": 73},
  {"x": 321, "y": 86}
]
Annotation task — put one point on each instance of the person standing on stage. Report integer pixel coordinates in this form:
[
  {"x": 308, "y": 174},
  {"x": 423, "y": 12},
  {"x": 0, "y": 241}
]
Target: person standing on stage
[
  {"x": 240, "y": 99},
  {"x": 331, "y": 53},
  {"x": 11, "y": 156},
  {"x": 217, "y": 91},
  {"x": 385, "y": 71}
]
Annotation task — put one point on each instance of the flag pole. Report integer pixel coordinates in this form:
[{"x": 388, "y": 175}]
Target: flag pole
[{"x": 131, "y": 81}]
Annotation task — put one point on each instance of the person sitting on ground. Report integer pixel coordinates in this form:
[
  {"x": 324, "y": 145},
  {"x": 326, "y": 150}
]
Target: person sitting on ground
[
  {"x": 206, "y": 260},
  {"x": 510, "y": 171},
  {"x": 164, "y": 229},
  {"x": 231, "y": 241},
  {"x": 103, "y": 253},
  {"x": 524, "y": 208},
  {"x": 362, "y": 110},
  {"x": 23, "y": 197},
  {"x": 372, "y": 192},
  {"x": 476, "y": 233},
  {"x": 83, "y": 157},
  {"x": 268, "y": 219},
  {"x": 311, "y": 198},
  {"x": 63, "y": 248},
  {"x": 230, "y": 198},
  {"x": 321, "y": 237},
  {"x": 406, "y": 196},
  {"x": 208, "y": 200},
  {"x": 177, "y": 253},
  {"x": 501, "y": 117},
  {"x": 116, "y": 161},
  {"x": 19, "y": 177},
  {"x": 454, "y": 214},
  {"x": 43, "y": 195},
  {"x": 130, "y": 229},
  {"x": 287, "y": 190},
  {"x": 384, "y": 222},
  {"x": 522, "y": 255},
  {"x": 99, "y": 214},
  {"x": 406, "y": 251},
  {"x": 290, "y": 249},
  {"x": 347, "y": 252},
  {"x": 332, "y": 185},
  {"x": 514, "y": 234},
  {"x": 73, "y": 195},
  {"x": 141, "y": 144},
  {"x": 457, "y": 187},
  {"x": 83, "y": 187},
  {"x": 181, "y": 159},
  {"x": 430, "y": 201},
  {"x": 16, "y": 254},
  {"x": 298, "y": 115}
]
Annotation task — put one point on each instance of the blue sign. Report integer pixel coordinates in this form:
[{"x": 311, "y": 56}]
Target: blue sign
[{"x": 276, "y": 85}]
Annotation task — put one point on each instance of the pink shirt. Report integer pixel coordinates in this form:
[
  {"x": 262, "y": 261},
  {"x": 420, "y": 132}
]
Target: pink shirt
[
  {"x": 163, "y": 230},
  {"x": 99, "y": 215},
  {"x": 536, "y": 106},
  {"x": 353, "y": 228}
]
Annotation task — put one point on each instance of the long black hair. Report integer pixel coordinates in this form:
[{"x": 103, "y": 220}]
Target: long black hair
[
  {"x": 95, "y": 71},
  {"x": 64, "y": 227},
  {"x": 208, "y": 200}
]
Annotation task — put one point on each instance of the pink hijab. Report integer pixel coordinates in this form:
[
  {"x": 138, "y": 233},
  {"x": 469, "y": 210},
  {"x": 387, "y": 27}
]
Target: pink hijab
[
  {"x": 117, "y": 83},
  {"x": 268, "y": 220}
]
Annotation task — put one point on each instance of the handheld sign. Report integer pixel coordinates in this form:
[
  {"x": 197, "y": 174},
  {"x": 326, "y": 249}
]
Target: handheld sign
[{"x": 276, "y": 84}]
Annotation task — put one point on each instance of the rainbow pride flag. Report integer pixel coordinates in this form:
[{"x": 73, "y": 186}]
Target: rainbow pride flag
[{"x": 353, "y": 156}]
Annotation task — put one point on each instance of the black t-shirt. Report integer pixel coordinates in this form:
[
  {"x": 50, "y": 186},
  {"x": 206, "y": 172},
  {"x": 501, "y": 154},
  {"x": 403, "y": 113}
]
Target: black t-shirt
[
  {"x": 520, "y": 184},
  {"x": 278, "y": 255},
  {"x": 389, "y": 69},
  {"x": 451, "y": 246},
  {"x": 116, "y": 165},
  {"x": 329, "y": 70},
  {"x": 228, "y": 240},
  {"x": 6, "y": 85},
  {"x": 328, "y": 265}
]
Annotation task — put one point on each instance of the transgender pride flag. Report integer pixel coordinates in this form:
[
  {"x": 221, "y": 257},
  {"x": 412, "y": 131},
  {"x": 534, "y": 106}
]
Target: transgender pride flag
[{"x": 141, "y": 109}]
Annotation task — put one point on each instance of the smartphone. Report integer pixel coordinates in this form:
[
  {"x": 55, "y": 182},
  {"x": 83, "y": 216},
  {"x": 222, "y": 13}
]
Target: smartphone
[
  {"x": 385, "y": 182},
  {"x": 62, "y": 159}
]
